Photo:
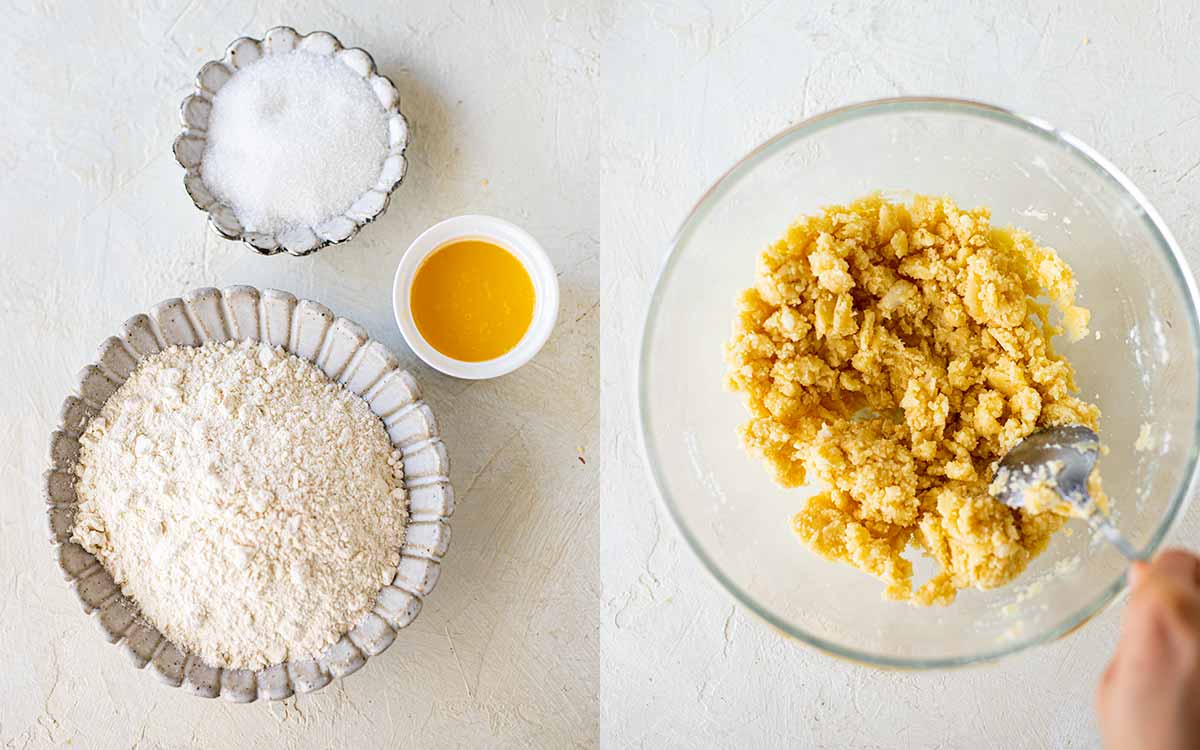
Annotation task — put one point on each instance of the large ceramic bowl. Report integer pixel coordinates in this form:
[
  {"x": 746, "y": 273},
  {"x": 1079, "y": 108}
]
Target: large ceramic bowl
[
  {"x": 343, "y": 351},
  {"x": 1141, "y": 370}
]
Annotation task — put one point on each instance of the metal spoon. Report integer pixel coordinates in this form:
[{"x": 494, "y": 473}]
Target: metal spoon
[{"x": 1062, "y": 457}]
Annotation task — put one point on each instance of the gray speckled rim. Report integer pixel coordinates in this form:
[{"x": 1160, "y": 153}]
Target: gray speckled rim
[
  {"x": 343, "y": 351},
  {"x": 197, "y": 106}
]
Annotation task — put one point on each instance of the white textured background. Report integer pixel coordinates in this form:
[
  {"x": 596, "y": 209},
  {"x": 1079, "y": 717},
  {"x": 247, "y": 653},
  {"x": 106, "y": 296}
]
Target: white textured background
[
  {"x": 97, "y": 227},
  {"x": 687, "y": 89},
  {"x": 592, "y": 128}
]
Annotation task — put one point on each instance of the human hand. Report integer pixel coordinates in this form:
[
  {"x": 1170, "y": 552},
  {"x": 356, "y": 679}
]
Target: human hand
[{"x": 1149, "y": 696}]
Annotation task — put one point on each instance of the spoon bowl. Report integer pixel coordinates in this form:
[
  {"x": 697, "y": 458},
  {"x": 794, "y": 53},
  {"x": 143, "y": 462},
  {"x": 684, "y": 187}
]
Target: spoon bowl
[{"x": 1060, "y": 459}]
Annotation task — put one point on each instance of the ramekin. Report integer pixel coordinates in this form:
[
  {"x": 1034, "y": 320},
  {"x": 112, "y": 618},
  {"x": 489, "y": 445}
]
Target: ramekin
[{"x": 513, "y": 239}]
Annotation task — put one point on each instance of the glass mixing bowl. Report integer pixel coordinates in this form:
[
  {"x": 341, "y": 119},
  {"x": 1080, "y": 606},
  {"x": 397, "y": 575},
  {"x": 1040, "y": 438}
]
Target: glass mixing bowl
[{"x": 1141, "y": 368}]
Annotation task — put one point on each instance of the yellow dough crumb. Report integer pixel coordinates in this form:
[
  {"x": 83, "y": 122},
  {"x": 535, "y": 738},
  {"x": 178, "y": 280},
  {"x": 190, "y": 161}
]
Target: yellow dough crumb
[{"x": 894, "y": 353}]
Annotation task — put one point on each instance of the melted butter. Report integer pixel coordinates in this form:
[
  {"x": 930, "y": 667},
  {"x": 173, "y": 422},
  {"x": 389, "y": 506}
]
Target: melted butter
[{"x": 472, "y": 300}]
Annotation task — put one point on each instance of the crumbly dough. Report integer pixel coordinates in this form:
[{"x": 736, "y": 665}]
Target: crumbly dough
[{"x": 894, "y": 353}]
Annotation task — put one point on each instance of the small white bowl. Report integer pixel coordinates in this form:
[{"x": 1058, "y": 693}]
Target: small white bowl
[{"x": 513, "y": 239}]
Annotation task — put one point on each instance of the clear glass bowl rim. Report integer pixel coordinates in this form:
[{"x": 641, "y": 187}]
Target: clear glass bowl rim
[{"x": 862, "y": 110}]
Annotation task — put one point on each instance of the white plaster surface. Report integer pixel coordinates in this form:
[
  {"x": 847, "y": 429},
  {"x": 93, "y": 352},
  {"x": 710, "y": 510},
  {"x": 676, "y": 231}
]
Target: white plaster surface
[
  {"x": 593, "y": 126},
  {"x": 687, "y": 89},
  {"x": 98, "y": 227}
]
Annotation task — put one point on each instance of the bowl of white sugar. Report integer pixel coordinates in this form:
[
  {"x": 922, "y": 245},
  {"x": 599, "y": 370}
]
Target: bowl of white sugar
[{"x": 290, "y": 142}]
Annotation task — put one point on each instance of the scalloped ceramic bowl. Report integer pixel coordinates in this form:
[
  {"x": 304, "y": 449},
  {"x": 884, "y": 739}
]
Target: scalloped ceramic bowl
[
  {"x": 194, "y": 113},
  {"x": 343, "y": 351}
]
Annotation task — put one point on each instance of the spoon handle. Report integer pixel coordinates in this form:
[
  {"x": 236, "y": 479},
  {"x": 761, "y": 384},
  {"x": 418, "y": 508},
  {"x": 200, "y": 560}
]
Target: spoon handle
[{"x": 1101, "y": 523}]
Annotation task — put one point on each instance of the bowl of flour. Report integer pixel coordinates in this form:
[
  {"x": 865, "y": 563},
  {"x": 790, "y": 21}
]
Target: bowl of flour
[
  {"x": 291, "y": 143},
  {"x": 248, "y": 493}
]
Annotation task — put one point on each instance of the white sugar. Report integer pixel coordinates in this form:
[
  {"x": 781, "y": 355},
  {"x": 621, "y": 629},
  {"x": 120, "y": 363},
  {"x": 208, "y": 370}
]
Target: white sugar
[{"x": 293, "y": 139}]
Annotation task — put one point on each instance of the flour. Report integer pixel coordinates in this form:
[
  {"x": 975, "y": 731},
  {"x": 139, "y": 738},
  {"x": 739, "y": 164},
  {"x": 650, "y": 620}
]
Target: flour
[{"x": 250, "y": 506}]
